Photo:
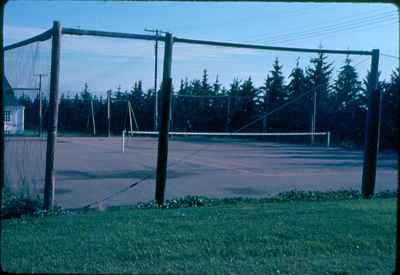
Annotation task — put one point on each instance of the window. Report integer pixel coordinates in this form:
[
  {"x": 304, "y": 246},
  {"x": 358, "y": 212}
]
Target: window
[{"x": 7, "y": 116}]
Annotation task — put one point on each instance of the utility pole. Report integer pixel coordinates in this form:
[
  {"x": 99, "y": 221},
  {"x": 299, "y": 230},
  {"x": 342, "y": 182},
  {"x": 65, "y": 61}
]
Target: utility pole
[
  {"x": 40, "y": 101},
  {"x": 157, "y": 32}
]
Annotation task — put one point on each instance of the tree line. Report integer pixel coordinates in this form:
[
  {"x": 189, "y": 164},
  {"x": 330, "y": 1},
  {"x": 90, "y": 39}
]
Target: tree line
[{"x": 279, "y": 105}]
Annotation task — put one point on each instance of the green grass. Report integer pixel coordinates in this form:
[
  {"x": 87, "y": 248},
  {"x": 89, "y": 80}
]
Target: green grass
[{"x": 353, "y": 236}]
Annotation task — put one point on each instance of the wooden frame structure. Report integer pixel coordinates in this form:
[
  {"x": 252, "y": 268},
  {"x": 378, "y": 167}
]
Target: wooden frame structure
[{"x": 372, "y": 120}]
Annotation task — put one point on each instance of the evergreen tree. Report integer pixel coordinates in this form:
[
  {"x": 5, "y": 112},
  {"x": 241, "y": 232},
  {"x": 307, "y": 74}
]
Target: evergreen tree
[
  {"x": 195, "y": 87},
  {"x": 136, "y": 97},
  {"x": 346, "y": 118},
  {"x": 216, "y": 87},
  {"x": 319, "y": 74},
  {"x": 205, "y": 86},
  {"x": 298, "y": 83},
  {"x": 234, "y": 88},
  {"x": 181, "y": 87},
  {"x": 297, "y": 87},
  {"x": 318, "y": 77},
  {"x": 274, "y": 86},
  {"x": 366, "y": 83},
  {"x": 85, "y": 94},
  {"x": 390, "y": 111},
  {"x": 248, "y": 94},
  {"x": 346, "y": 89},
  {"x": 275, "y": 95},
  {"x": 118, "y": 94}
]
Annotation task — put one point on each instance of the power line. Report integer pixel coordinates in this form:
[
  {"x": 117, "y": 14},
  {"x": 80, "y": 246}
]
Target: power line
[
  {"x": 240, "y": 20},
  {"x": 319, "y": 28},
  {"x": 392, "y": 56},
  {"x": 296, "y": 32},
  {"x": 333, "y": 31}
]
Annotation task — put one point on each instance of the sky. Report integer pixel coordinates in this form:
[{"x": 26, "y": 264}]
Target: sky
[{"x": 106, "y": 63}]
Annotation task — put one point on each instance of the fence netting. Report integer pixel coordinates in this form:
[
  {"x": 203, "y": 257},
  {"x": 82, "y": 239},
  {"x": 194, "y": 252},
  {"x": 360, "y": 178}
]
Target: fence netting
[
  {"x": 278, "y": 99},
  {"x": 26, "y": 86},
  {"x": 106, "y": 87},
  {"x": 243, "y": 122}
]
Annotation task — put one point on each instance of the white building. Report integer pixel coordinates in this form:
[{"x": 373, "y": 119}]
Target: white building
[{"x": 14, "y": 112}]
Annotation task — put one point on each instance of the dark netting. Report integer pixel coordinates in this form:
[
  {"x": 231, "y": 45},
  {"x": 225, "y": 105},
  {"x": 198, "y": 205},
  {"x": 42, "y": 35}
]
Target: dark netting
[
  {"x": 26, "y": 83},
  {"x": 106, "y": 87}
]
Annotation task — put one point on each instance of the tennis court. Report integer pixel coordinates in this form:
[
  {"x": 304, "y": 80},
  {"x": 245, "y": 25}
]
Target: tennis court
[{"x": 91, "y": 169}]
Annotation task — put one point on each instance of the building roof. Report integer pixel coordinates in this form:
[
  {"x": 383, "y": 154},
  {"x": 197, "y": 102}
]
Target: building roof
[{"x": 9, "y": 96}]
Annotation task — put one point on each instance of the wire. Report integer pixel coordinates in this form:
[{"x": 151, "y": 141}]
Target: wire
[
  {"x": 241, "y": 20},
  {"x": 345, "y": 23},
  {"x": 334, "y": 32},
  {"x": 392, "y": 56},
  {"x": 118, "y": 192},
  {"x": 296, "y": 32}
]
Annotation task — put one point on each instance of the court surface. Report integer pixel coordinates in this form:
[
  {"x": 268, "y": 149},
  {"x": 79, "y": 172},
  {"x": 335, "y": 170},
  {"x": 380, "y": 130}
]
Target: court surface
[{"x": 90, "y": 169}]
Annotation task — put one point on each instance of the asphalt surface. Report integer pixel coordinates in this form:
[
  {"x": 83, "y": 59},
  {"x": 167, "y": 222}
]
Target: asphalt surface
[{"x": 91, "y": 169}]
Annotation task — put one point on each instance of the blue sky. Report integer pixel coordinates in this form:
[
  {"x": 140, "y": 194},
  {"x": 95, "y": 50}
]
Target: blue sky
[{"x": 109, "y": 63}]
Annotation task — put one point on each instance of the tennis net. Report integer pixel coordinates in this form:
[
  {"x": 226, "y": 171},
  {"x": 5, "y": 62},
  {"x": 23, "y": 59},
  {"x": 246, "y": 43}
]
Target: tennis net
[{"x": 295, "y": 138}]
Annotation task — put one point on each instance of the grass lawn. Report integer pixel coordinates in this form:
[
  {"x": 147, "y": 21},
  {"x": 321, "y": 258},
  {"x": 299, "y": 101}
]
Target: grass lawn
[{"x": 353, "y": 236}]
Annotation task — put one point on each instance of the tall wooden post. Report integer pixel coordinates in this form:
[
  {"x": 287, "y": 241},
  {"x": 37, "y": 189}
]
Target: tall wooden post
[
  {"x": 49, "y": 187},
  {"x": 371, "y": 130},
  {"x": 130, "y": 116},
  {"x": 2, "y": 178},
  {"x": 93, "y": 118},
  {"x": 162, "y": 157},
  {"x": 108, "y": 113},
  {"x": 171, "y": 116},
  {"x": 155, "y": 84},
  {"x": 314, "y": 116},
  {"x": 132, "y": 113},
  {"x": 40, "y": 75},
  {"x": 40, "y": 107},
  {"x": 397, "y": 145}
]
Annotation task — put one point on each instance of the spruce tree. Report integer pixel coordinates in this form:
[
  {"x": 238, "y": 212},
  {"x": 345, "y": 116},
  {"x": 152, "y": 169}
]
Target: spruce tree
[
  {"x": 297, "y": 84},
  {"x": 274, "y": 87},
  {"x": 297, "y": 87},
  {"x": 275, "y": 95},
  {"x": 85, "y": 94},
  {"x": 248, "y": 95},
  {"x": 346, "y": 88},
  {"x": 216, "y": 87},
  {"x": 205, "y": 86},
  {"x": 318, "y": 77},
  {"x": 390, "y": 111},
  {"x": 345, "y": 119}
]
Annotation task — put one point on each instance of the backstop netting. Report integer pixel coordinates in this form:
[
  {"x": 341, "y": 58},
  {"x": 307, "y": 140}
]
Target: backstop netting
[
  {"x": 106, "y": 87},
  {"x": 243, "y": 122},
  {"x": 253, "y": 123},
  {"x": 26, "y": 87}
]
